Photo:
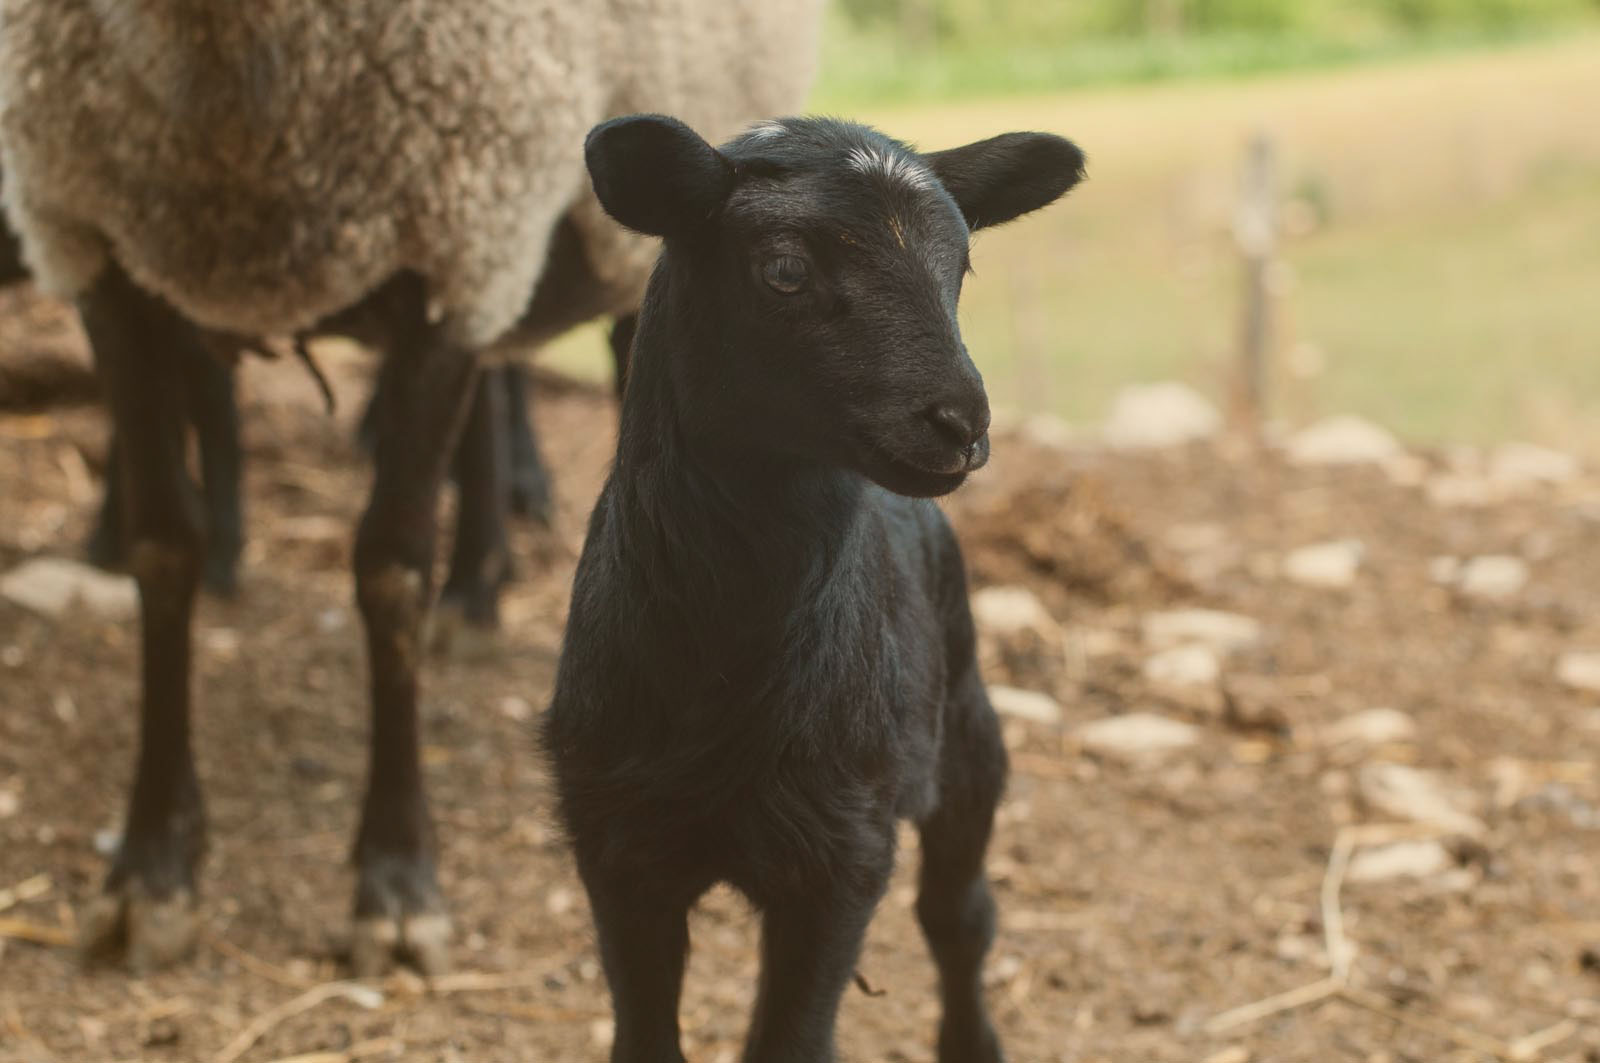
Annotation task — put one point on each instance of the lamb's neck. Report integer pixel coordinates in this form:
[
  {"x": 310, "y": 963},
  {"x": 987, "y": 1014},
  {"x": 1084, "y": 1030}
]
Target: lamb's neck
[{"x": 738, "y": 523}]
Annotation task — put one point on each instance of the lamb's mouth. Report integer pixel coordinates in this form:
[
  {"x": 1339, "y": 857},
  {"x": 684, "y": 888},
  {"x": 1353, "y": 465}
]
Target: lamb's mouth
[
  {"x": 923, "y": 478},
  {"x": 958, "y": 463}
]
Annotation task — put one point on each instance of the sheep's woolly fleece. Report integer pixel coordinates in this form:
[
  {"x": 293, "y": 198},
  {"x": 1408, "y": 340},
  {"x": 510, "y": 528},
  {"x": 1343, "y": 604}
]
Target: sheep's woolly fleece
[{"x": 263, "y": 165}]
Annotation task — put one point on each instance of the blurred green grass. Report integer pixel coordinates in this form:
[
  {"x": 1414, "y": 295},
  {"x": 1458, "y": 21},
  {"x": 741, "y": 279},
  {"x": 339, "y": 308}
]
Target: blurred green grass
[
  {"x": 868, "y": 69},
  {"x": 881, "y": 51},
  {"x": 1443, "y": 269}
]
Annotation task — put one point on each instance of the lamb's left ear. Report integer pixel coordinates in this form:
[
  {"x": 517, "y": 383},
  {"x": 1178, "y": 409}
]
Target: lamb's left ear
[
  {"x": 656, "y": 175},
  {"x": 995, "y": 180}
]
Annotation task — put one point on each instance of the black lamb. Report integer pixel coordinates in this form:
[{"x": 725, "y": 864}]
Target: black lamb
[{"x": 769, "y": 656}]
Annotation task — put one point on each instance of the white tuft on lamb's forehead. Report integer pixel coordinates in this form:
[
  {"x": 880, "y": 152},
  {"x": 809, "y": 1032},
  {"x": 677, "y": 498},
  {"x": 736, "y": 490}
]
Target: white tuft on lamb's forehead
[
  {"x": 766, "y": 130},
  {"x": 892, "y": 167}
]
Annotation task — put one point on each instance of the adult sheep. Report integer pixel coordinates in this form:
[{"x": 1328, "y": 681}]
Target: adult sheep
[{"x": 393, "y": 169}]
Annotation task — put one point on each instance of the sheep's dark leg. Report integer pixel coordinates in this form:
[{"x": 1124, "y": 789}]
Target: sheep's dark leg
[
  {"x": 148, "y": 907},
  {"x": 622, "y": 330},
  {"x": 809, "y": 948},
  {"x": 954, "y": 905},
  {"x": 530, "y": 480},
  {"x": 214, "y": 411},
  {"x": 644, "y": 942},
  {"x": 480, "y": 560},
  {"x": 399, "y": 911},
  {"x": 106, "y": 547},
  {"x": 12, "y": 269},
  {"x": 367, "y": 427}
]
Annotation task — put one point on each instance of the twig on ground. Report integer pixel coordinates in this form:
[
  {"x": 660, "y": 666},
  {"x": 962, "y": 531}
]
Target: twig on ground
[
  {"x": 26, "y": 890},
  {"x": 254, "y": 964},
  {"x": 1261, "y": 1009},
  {"x": 36, "y": 933},
  {"x": 1340, "y": 951},
  {"x": 263, "y": 1023},
  {"x": 1341, "y": 954},
  {"x": 485, "y": 982},
  {"x": 378, "y": 1046},
  {"x": 1530, "y": 1046},
  {"x": 536, "y": 1012}
]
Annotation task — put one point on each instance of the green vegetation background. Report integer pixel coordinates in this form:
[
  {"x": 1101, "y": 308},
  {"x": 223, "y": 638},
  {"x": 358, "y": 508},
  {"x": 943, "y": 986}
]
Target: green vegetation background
[{"x": 882, "y": 50}]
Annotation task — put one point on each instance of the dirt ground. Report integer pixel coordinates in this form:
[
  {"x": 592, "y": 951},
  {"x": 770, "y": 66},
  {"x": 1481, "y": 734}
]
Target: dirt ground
[{"x": 1141, "y": 899}]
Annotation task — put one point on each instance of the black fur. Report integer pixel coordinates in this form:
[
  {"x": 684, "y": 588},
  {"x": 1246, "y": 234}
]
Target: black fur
[{"x": 769, "y": 655}]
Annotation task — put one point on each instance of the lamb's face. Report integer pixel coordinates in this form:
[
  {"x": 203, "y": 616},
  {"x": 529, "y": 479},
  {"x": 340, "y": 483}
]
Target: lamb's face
[
  {"x": 840, "y": 268},
  {"x": 828, "y": 259}
]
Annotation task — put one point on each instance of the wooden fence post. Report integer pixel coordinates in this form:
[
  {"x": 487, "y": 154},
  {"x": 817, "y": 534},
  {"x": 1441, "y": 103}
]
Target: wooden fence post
[{"x": 1256, "y": 232}]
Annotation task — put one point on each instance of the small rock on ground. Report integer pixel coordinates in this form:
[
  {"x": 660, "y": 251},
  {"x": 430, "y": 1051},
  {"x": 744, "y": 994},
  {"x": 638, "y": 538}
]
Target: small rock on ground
[
  {"x": 1342, "y": 441},
  {"x": 1374, "y": 727},
  {"x": 1420, "y": 796},
  {"x": 1579, "y": 669},
  {"x": 1160, "y": 415},
  {"x": 1460, "y": 490},
  {"x": 50, "y": 585},
  {"x": 1417, "y": 859},
  {"x": 1223, "y": 632},
  {"x": 1136, "y": 735},
  {"x": 1493, "y": 577},
  {"x": 1183, "y": 666},
  {"x": 1516, "y": 466},
  {"x": 1025, "y": 704},
  {"x": 1331, "y": 565},
  {"x": 1006, "y": 611}
]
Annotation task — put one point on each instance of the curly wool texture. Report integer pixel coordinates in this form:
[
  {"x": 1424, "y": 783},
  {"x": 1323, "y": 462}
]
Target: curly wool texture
[{"x": 263, "y": 165}]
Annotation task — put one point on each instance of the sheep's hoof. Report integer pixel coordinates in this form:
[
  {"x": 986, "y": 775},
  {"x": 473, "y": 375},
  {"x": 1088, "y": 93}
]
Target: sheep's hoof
[
  {"x": 973, "y": 1041},
  {"x": 456, "y": 632},
  {"x": 105, "y": 548},
  {"x": 152, "y": 932},
  {"x": 400, "y": 919},
  {"x": 221, "y": 572},
  {"x": 530, "y": 497},
  {"x": 420, "y": 941}
]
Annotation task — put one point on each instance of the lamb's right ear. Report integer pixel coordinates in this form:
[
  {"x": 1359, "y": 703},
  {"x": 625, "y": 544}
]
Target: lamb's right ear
[{"x": 656, "y": 175}]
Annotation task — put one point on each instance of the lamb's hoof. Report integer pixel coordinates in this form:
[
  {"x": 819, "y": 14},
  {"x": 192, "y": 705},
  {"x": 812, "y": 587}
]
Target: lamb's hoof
[
  {"x": 419, "y": 940},
  {"x": 151, "y": 932}
]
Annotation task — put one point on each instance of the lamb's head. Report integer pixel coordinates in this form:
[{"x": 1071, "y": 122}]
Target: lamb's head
[{"x": 823, "y": 262}]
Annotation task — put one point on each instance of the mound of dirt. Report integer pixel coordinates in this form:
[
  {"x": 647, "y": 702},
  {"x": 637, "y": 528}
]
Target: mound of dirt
[{"x": 1066, "y": 538}]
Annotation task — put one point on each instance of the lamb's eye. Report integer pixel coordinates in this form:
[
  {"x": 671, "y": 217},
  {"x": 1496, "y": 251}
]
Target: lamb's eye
[{"x": 786, "y": 273}]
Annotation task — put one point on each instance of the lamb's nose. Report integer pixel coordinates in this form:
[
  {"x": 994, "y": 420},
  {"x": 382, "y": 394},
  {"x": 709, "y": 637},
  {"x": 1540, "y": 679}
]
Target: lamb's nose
[{"x": 962, "y": 425}]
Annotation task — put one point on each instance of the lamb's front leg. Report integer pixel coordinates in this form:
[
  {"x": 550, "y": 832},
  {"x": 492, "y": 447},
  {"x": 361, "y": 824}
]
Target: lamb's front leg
[
  {"x": 810, "y": 943},
  {"x": 644, "y": 942},
  {"x": 399, "y": 911}
]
